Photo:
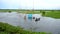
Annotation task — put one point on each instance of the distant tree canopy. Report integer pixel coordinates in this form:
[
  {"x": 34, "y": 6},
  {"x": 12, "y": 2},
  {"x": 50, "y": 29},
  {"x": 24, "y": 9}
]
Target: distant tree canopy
[
  {"x": 9, "y": 11},
  {"x": 43, "y": 12}
]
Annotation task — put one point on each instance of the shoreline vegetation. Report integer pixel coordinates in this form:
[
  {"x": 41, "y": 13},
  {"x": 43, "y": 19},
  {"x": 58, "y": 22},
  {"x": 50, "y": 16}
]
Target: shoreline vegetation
[
  {"x": 48, "y": 13},
  {"x": 6, "y": 28}
]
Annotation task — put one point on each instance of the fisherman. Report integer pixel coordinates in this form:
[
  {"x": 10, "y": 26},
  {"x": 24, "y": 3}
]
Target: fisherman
[{"x": 29, "y": 16}]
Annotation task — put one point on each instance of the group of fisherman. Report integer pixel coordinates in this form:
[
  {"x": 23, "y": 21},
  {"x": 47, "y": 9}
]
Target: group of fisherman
[{"x": 30, "y": 16}]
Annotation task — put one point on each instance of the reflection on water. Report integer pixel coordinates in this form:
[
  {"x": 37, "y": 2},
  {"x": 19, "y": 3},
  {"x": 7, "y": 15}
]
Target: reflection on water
[{"x": 46, "y": 24}]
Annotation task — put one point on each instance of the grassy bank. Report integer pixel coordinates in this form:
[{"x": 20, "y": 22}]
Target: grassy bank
[
  {"x": 9, "y": 29},
  {"x": 55, "y": 14},
  {"x": 48, "y": 13}
]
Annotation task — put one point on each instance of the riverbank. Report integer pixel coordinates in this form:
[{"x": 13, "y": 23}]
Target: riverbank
[
  {"x": 48, "y": 13},
  {"x": 55, "y": 14},
  {"x": 5, "y": 28}
]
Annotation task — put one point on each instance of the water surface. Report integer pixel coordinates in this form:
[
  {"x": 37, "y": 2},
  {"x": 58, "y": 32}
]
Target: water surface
[{"x": 46, "y": 24}]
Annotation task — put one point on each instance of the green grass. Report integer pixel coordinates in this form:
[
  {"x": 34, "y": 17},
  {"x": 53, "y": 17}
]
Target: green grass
[
  {"x": 55, "y": 14},
  {"x": 9, "y": 29}
]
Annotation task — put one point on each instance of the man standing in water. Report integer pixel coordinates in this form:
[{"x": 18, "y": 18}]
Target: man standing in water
[{"x": 29, "y": 16}]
